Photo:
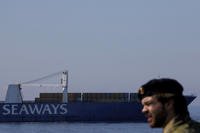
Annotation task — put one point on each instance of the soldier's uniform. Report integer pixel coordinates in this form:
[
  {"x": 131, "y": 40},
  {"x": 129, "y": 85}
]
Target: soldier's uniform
[{"x": 182, "y": 125}]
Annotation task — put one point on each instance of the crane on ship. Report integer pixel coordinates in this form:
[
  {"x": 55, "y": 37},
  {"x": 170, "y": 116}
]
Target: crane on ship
[{"x": 14, "y": 94}]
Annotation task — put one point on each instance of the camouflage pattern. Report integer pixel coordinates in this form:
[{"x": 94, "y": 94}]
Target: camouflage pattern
[{"x": 180, "y": 125}]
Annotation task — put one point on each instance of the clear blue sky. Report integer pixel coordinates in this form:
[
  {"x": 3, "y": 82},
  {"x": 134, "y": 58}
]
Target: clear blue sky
[{"x": 107, "y": 45}]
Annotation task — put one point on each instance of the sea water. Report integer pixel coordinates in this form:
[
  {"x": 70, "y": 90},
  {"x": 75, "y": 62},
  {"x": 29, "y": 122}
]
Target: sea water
[{"x": 67, "y": 127}]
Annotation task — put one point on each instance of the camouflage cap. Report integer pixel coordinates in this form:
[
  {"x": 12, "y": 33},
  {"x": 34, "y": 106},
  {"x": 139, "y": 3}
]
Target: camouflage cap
[{"x": 163, "y": 86}]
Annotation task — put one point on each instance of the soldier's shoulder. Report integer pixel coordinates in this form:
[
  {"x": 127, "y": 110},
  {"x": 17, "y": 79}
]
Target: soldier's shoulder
[{"x": 189, "y": 127}]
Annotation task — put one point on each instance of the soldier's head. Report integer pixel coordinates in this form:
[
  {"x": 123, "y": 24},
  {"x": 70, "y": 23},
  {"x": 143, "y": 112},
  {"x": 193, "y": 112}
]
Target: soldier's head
[{"x": 162, "y": 99}]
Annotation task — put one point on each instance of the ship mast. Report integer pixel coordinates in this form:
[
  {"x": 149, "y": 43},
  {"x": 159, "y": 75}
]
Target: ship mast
[{"x": 64, "y": 82}]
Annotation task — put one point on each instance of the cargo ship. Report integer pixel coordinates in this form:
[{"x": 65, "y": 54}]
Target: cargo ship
[{"x": 71, "y": 107}]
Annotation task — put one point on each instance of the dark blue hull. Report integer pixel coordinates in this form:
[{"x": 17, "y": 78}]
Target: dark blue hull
[{"x": 74, "y": 112}]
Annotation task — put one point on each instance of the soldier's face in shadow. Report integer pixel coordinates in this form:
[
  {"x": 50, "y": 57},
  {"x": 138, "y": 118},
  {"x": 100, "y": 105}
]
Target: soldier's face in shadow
[{"x": 155, "y": 111}]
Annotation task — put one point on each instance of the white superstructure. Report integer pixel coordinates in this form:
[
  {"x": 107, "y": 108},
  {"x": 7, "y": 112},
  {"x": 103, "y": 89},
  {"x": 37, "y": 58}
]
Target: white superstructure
[{"x": 13, "y": 94}]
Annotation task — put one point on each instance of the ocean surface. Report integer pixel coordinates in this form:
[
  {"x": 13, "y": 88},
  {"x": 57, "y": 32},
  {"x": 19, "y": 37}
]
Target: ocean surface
[{"x": 66, "y": 127}]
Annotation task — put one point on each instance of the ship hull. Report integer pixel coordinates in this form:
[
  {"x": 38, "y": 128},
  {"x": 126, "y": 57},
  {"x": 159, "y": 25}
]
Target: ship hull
[{"x": 74, "y": 112}]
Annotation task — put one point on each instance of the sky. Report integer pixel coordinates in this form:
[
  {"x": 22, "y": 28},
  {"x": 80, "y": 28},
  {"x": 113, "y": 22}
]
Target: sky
[{"x": 106, "y": 45}]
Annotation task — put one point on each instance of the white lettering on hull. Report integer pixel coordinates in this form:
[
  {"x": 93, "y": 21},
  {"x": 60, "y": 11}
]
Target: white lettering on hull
[
  {"x": 33, "y": 109},
  {"x": 23, "y": 110}
]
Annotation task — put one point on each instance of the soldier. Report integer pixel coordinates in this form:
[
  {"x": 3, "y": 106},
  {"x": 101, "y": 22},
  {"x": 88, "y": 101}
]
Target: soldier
[{"x": 165, "y": 106}]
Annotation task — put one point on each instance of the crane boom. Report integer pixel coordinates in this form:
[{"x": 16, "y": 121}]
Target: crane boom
[
  {"x": 14, "y": 90},
  {"x": 41, "y": 85},
  {"x": 63, "y": 81}
]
